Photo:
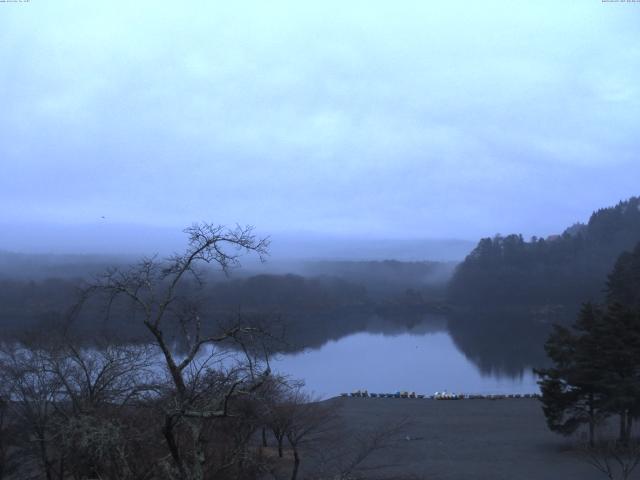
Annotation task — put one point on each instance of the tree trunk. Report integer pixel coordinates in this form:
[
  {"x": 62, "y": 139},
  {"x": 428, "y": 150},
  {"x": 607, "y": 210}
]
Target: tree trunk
[
  {"x": 61, "y": 468},
  {"x": 264, "y": 436},
  {"x": 280, "y": 439},
  {"x": 592, "y": 422},
  {"x": 623, "y": 427},
  {"x": 167, "y": 431},
  {"x": 197, "y": 470},
  {"x": 44, "y": 456},
  {"x": 296, "y": 464}
]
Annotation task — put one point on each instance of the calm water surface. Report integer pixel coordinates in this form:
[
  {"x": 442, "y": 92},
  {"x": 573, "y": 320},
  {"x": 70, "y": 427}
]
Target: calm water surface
[{"x": 384, "y": 363}]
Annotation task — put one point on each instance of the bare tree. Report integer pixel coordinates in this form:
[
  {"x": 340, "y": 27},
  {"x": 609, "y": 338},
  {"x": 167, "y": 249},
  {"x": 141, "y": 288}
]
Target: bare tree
[
  {"x": 293, "y": 416},
  {"x": 199, "y": 389},
  {"x": 100, "y": 383},
  {"x": 32, "y": 395},
  {"x": 3, "y": 435},
  {"x": 102, "y": 374},
  {"x": 613, "y": 459},
  {"x": 8, "y": 431},
  {"x": 276, "y": 410},
  {"x": 304, "y": 421},
  {"x": 61, "y": 398}
]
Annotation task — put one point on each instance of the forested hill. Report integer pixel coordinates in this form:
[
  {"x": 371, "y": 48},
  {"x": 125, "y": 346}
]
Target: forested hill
[{"x": 560, "y": 270}]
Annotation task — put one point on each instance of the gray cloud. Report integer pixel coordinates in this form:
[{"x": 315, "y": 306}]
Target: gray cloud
[{"x": 395, "y": 119}]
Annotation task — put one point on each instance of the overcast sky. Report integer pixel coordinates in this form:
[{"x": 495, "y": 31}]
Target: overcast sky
[{"x": 384, "y": 119}]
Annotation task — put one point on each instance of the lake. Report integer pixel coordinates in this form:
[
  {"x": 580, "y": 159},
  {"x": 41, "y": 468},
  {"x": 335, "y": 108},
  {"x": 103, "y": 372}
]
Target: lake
[{"x": 424, "y": 358}]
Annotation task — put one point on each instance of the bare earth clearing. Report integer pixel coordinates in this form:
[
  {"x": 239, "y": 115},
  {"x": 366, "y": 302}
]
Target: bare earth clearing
[{"x": 469, "y": 439}]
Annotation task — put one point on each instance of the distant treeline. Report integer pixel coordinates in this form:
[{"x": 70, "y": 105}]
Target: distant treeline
[
  {"x": 286, "y": 292},
  {"x": 337, "y": 291},
  {"x": 565, "y": 269}
]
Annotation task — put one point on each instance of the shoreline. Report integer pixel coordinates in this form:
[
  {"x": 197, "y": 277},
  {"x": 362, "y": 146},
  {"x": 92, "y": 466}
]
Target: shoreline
[{"x": 439, "y": 395}]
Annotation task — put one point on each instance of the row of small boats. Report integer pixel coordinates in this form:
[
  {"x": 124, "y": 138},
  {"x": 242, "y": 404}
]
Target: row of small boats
[{"x": 437, "y": 395}]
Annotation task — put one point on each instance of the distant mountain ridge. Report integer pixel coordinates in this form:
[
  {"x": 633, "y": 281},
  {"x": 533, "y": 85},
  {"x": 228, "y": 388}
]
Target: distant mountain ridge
[{"x": 560, "y": 270}]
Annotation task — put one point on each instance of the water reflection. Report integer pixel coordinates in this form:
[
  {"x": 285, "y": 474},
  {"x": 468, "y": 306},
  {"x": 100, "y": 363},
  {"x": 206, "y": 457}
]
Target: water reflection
[
  {"x": 499, "y": 343},
  {"x": 381, "y": 363},
  {"x": 484, "y": 353}
]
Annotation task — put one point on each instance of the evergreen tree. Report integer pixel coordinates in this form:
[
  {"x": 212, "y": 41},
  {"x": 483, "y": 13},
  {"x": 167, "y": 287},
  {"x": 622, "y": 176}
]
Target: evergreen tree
[
  {"x": 619, "y": 364},
  {"x": 564, "y": 269},
  {"x": 622, "y": 342},
  {"x": 596, "y": 370},
  {"x": 572, "y": 388},
  {"x": 623, "y": 284}
]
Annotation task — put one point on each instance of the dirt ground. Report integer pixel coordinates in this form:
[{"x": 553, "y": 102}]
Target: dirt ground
[{"x": 469, "y": 439}]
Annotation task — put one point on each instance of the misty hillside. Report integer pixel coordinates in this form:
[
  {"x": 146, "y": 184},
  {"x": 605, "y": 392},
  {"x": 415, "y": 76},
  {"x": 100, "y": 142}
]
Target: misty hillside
[
  {"x": 387, "y": 276},
  {"x": 566, "y": 269},
  {"x": 27, "y": 266}
]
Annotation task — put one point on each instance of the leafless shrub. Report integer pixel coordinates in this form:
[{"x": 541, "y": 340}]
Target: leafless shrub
[
  {"x": 349, "y": 456},
  {"x": 613, "y": 459}
]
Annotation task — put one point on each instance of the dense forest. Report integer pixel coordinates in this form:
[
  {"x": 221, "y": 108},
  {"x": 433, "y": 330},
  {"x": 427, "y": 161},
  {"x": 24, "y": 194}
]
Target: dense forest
[{"x": 565, "y": 269}]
